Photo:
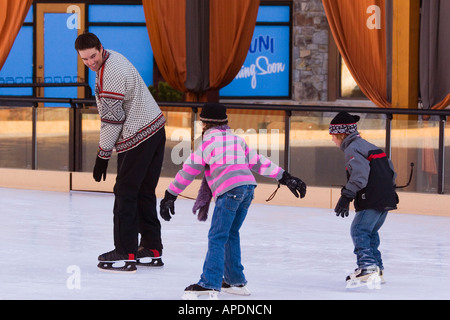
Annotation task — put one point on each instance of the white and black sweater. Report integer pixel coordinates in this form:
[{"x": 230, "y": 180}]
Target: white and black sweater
[{"x": 129, "y": 114}]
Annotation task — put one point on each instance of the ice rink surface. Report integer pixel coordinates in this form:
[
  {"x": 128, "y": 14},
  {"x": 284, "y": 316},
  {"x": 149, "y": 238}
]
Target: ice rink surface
[{"x": 50, "y": 241}]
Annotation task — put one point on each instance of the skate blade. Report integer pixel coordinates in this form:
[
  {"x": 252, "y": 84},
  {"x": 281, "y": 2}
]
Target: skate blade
[
  {"x": 150, "y": 262},
  {"x": 196, "y": 295},
  {"x": 355, "y": 283},
  {"x": 239, "y": 291},
  {"x": 373, "y": 282},
  {"x": 117, "y": 267}
]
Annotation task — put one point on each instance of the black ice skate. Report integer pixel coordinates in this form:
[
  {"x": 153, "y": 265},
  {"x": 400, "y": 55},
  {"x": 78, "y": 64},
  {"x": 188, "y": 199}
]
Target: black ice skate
[
  {"x": 369, "y": 277},
  {"x": 149, "y": 257},
  {"x": 241, "y": 290},
  {"x": 194, "y": 291},
  {"x": 113, "y": 261}
]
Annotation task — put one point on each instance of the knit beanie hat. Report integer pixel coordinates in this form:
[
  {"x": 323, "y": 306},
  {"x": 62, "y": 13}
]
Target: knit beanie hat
[
  {"x": 214, "y": 112},
  {"x": 343, "y": 123}
]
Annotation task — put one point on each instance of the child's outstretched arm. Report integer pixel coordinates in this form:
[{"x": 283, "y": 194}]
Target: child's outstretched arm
[{"x": 263, "y": 166}]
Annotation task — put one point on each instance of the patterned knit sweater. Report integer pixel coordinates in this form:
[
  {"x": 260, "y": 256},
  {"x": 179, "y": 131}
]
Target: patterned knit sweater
[
  {"x": 129, "y": 114},
  {"x": 229, "y": 163}
]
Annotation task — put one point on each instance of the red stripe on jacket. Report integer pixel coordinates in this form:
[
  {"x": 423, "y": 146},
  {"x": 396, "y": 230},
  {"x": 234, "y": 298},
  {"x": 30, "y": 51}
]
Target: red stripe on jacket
[{"x": 376, "y": 156}]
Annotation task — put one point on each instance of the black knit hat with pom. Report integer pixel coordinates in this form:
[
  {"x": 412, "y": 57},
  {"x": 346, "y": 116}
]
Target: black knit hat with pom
[{"x": 343, "y": 123}]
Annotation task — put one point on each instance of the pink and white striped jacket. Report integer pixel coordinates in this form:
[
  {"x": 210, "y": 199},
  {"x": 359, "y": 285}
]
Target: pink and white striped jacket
[{"x": 228, "y": 163}]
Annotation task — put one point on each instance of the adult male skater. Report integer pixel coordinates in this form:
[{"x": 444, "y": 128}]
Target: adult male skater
[{"x": 131, "y": 123}]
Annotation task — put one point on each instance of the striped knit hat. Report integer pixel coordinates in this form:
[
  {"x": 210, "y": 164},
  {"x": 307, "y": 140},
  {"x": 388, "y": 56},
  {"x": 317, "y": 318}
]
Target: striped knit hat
[
  {"x": 214, "y": 112},
  {"x": 343, "y": 123}
]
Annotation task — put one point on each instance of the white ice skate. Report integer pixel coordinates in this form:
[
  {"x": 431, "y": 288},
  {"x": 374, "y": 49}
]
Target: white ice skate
[
  {"x": 382, "y": 277},
  {"x": 237, "y": 290},
  {"x": 369, "y": 277},
  {"x": 196, "y": 292}
]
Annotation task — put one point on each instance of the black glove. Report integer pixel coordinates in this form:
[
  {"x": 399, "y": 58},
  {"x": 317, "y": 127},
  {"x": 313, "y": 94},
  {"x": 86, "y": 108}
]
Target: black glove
[
  {"x": 100, "y": 169},
  {"x": 294, "y": 184},
  {"x": 167, "y": 206},
  {"x": 343, "y": 206}
]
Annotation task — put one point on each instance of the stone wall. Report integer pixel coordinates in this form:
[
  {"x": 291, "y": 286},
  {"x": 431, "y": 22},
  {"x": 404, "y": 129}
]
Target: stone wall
[{"x": 310, "y": 51}]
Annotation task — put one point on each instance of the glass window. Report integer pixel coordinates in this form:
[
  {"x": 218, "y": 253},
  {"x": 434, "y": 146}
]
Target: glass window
[
  {"x": 116, "y": 13},
  {"x": 15, "y": 137},
  {"x": 273, "y": 14},
  {"x": 447, "y": 158},
  {"x": 29, "y": 17},
  {"x": 90, "y": 122},
  {"x": 60, "y": 58},
  {"x": 348, "y": 86},
  {"x": 179, "y": 140},
  {"x": 18, "y": 67},
  {"x": 416, "y": 142},
  {"x": 315, "y": 158},
  {"x": 264, "y": 132},
  {"x": 52, "y": 134}
]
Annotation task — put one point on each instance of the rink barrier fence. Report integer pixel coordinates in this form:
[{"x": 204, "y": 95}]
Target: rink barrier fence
[
  {"x": 78, "y": 107},
  {"x": 316, "y": 197}
]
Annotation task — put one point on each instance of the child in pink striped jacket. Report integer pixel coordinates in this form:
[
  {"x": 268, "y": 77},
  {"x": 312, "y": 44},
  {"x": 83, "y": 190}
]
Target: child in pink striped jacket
[{"x": 228, "y": 163}]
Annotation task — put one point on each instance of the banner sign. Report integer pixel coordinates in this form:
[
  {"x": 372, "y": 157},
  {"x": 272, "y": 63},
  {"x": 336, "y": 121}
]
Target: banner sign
[{"x": 265, "y": 72}]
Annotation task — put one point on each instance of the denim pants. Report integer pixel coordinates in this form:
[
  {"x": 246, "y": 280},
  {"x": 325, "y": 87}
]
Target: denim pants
[
  {"x": 223, "y": 259},
  {"x": 366, "y": 240}
]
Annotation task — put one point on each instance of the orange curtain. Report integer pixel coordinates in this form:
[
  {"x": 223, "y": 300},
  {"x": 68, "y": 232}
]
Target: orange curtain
[
  {"x": 230, "y": 28},
  {"x": 232, "y": 23},
  {"x": 362, "y": 48},
  {"x": 12, "y": 16},
  {"x": 434, "y": 59},
  {"x": 443, "y": 104},
  {"x": 165, "y": 21}
]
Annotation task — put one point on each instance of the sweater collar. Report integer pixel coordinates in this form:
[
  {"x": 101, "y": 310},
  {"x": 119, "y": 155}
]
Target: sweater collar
[{"x": 105, "y": 57}]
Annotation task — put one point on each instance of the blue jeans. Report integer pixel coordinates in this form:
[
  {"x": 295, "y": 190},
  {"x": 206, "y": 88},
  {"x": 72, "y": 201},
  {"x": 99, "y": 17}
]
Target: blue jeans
[
  {"x": 364, "y": 232},
  {"x": 223, "y": 259}
]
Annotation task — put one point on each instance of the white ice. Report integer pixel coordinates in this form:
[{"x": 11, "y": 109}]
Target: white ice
[{"x": 50, "y": 241}]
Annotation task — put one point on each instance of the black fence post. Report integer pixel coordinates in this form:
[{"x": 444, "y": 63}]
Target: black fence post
[
  {"x": 441, "y": 161},
  {"x": 287, "y": 138},
  {"x": 34, "y": 155},
  {"x": 388, "y": 135}
]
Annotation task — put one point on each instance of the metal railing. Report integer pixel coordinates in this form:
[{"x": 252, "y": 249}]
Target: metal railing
[
  {"x": 79, "y": 106},
  {"x": 34, "y": 85}
]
